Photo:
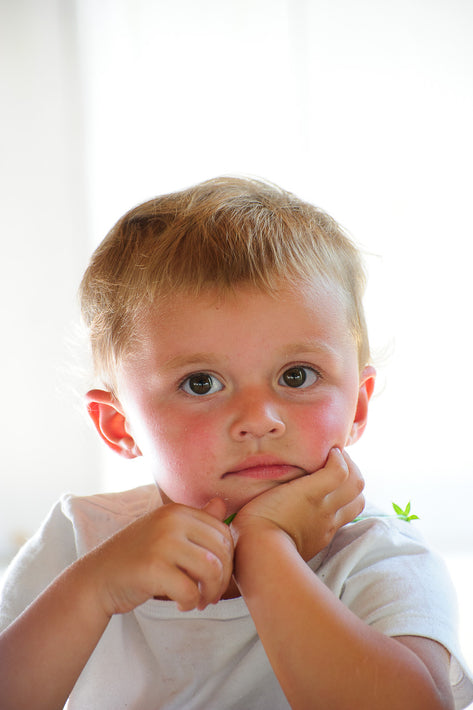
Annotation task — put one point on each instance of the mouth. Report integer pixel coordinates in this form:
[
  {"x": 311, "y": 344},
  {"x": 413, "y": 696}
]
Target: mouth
[{"x": 264, "y": 468}]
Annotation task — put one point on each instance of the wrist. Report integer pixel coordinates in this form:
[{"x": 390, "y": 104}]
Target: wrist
[
  {"x": 252, "y": 531},
  {"x": 258, "y": 545},
  {"x": 90, "y": 586}
]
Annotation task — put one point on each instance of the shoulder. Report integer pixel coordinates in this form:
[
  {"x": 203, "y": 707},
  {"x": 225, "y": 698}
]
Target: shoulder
[
  {"x": 385, "y": 572},
  {"x": 97, "y": 517},
  {"x": 41, "y": 559},
  {"x": 376, "y": 536},
  {"x": 74, "y": 525},
  {"x": 383, "y": 554}
]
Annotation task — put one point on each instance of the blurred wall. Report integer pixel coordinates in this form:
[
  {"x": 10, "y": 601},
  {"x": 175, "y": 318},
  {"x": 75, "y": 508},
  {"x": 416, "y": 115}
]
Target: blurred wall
[
  {"x": 364, "y": 108},
  {"x": 45, "y": 444}
]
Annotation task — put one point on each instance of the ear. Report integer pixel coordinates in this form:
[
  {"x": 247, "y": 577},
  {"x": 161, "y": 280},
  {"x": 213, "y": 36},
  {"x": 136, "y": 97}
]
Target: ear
[
  {"x": 367, "y": 382},
  {"x": 110, "y": 421}
]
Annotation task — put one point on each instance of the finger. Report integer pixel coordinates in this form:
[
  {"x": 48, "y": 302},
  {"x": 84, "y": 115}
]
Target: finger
[
  {"x": 207, "y": 555},
  {"x": 350, "y": 511},
  {"x": 211, "y": 535},
  {"x": 183, "y": 590},
  {"x": 350, "y": 487},
  {"x": 216, "y": 508},
  {"x": 190, "y": 575},
  {"x": 197, "y": 544},
  {"x": 338, "y": 462},
  {"x": 211, "y": 573},
  {"x": 328, "y": 479},
  {"x": 355, "y": 479},
  {"x": 197, "y": 526},
  {"x": 213, "y": 514}
]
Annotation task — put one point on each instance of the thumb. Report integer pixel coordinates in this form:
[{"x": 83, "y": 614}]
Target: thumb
[{"x": 216, "y": 508}]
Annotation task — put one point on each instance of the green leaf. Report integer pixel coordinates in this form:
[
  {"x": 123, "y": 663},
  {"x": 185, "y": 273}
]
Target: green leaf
[
  {"x": 400, "y": 514},
  {"x": 404, "y": 514},
  {"x": 398, "y": 510}
]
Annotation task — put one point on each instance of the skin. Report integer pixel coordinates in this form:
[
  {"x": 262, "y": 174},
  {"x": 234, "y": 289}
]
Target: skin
[
  {"x": 194, "y": 442},
  {"x": 254, "y": 444}
]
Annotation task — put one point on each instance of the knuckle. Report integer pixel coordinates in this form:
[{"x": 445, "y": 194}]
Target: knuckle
[
  {"x": 328, "y": 534},
  {"x": 189, "y": 596},
  {"x": 328, "y": 537},
  {"x": 341, "y": 472},
  {"x": 214, "y": 566},
  {"x": 361, "y": 502},
  {"x": 226, "y": 540},
  {"x": 171, "y": 513},
  {"x": 359, "y": 483}
]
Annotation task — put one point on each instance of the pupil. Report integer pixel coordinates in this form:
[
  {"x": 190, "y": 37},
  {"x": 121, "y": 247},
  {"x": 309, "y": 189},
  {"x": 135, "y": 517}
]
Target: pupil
[
  {"x": 295, "y": 377},
  {"x": 200, "y": 384}
]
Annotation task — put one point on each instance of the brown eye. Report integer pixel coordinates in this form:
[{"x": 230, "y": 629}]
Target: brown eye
[
  {"x": 298, "y": 377},
  {"x": 201, "y": 383}
]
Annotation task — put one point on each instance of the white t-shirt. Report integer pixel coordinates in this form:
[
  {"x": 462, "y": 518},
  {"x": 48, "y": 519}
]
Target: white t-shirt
[{"x": 158, "y": 657}]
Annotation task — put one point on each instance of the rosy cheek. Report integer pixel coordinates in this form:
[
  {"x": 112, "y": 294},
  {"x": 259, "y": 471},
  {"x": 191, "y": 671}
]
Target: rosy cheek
[
  {"x": 189, "y": 450},
  {"x": 322, "y": 429},
  {"x": 197, "y": 438}
]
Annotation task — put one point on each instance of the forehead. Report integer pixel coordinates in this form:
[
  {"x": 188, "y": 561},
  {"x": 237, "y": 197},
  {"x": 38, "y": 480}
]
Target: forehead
[{"x": 245, "y": 317}]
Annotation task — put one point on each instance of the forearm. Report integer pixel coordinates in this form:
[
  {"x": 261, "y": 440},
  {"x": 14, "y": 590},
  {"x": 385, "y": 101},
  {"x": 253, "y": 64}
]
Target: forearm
[
  {"x": 44, "y": 651},
  {"x": 319, "y": 650}
]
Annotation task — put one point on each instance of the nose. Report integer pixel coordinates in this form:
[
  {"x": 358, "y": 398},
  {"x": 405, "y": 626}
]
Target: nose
[{"x": 255, "y": 416}]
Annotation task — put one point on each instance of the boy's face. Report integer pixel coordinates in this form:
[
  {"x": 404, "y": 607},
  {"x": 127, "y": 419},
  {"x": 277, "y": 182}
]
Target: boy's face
[{"x": 230, "y": 396}]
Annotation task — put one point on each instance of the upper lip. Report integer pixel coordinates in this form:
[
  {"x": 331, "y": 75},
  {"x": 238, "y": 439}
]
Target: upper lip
[{"x": 258, "y": 460}]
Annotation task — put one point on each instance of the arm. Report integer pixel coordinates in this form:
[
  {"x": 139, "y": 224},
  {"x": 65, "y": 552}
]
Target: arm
[
  {"x": 44, "y": 650},
  {"x": 174, "y": 552},
  {"x": 318, "y": 648}
]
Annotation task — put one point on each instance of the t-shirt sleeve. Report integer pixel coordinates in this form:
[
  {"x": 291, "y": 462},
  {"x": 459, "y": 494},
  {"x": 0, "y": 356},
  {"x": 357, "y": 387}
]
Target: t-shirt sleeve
[
  {"x": 37, "y": 564},
  {"x": 74, "y": 526},
  {"x": 384, "y": 572}
]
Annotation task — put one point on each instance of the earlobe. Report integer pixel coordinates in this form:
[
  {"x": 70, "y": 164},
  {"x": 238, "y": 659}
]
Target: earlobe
[
  {"x": 110, "y": 422},
  {"x": 367, "y": 382}
]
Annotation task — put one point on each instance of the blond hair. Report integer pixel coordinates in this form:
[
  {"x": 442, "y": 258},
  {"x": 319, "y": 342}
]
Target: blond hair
[{"x": 216, "y": 235}]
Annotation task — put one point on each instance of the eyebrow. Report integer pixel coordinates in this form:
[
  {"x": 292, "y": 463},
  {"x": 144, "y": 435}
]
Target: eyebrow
[
  {"x": 312, "y": 346},
  {"x": 210, "y": 359},
  {"x": 195, "y": 359}
]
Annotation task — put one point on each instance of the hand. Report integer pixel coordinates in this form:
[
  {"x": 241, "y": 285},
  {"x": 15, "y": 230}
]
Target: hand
[
  {"x": 175, "y": 552},
  {"x": 309, "y": 509}
]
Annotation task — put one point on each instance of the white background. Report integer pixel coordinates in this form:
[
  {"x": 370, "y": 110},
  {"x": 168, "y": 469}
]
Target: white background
[{"x": 365, "y": 108}]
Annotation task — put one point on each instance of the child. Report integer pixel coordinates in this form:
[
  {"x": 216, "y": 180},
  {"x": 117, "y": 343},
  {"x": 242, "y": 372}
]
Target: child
[{"x": 228, "y": 334}]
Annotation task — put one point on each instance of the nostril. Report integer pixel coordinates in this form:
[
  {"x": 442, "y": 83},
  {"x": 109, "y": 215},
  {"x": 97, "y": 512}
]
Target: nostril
[
  {"x": 256, "y": 417},
  {"x": 258, "y": 432}
]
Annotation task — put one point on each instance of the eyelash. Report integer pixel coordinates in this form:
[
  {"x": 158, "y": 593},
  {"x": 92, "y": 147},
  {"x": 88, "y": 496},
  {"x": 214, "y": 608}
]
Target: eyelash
[
  {"x": 305, "y": 368},
  {"x": 184, "y": 385},
  {"x": 202, "y": 375}
]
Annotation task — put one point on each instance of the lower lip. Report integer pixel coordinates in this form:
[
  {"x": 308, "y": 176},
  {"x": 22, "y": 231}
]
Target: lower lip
[{"x": 264, "y": 472}]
